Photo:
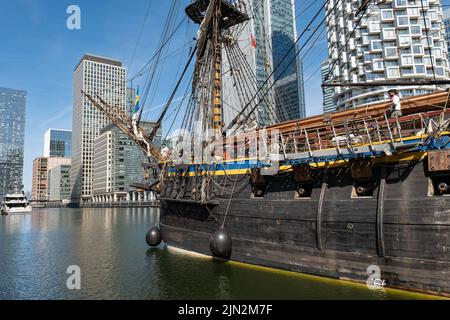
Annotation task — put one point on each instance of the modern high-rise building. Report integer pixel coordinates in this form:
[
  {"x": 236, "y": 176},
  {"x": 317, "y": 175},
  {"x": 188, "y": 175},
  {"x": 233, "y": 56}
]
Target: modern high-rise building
[
  {"x": 394, "y": 40},
  {"x": 59, "y": 183},
  {"x": 328, "y": 92},
  {"x": 447, "y": 28},
  {"x": 118, "y": 162},
  {"x": 266, "y": 41},
  {"x": 12, "y": 136},
  {"x": 42, "y": 166},
  {"x": 275, "y": 33},
  {"x": 58, "y": 143},
  {"x": 107, "y": 78}
]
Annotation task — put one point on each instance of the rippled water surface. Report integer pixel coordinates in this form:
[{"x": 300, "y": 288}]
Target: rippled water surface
[{"x": 108, "y": 245}]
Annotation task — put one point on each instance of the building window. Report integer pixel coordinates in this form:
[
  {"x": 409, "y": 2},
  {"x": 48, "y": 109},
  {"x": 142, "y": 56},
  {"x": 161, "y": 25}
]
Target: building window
[
  {"x": 374, "y": 26},
  {"x": 404, "y": 40},
  {"x": 417, "y": 49},
  {"x": 415, "y": 30},
  {"x": 376, "y": 45},
  {"x": 407, "y": 60},
  {"x": 420, "y": 69},
  {"x": 378, "y": 65},
  {"x": 390, "y": 52},
  {"x": 436, "y": 52},
  {"x": 388, "y": 33},
  {"x": 432, "y": 14},
  {"x": 402, "y": 21},
  {"x": 424, "y": 42},
  {"x": 428, "y": 61},
  {"x": 407, "y": 71},
  {"x": 387, "y": 14},
  {"x": 413, "y": 12},
  {"x": 439, "y": 71},
  {"x": 427, "y": 23}
]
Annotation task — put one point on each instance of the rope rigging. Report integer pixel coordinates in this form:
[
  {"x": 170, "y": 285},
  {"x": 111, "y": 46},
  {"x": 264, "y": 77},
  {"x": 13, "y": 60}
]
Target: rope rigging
[{"x": 236, "y": 120}]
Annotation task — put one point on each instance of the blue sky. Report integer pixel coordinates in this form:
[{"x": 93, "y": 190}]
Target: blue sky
[{"x": 38, "y": 54}]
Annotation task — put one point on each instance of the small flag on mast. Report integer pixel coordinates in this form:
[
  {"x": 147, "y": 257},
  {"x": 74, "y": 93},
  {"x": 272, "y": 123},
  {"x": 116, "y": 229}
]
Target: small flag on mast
[
  {"x": 253, "y": 41},
  {"x": 136, "y": 101}
]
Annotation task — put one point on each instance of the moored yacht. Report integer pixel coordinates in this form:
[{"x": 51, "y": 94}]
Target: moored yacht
[{"x": 15, "y": 203}]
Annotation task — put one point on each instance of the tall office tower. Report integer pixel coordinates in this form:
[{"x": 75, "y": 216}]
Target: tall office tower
[
  {"x": 41, "y": 183},
  {"x": 447, "y": 28},
  {"x": 275, "y": 34},
  {"x": 107, "y": 78},
  {"x": 12, "y": 136},
  {"x": 58, "y": 143},
  {"x": 394, "y": 40},
  {"x": 328, "y": 92},
  {"x": 266, "y": 41},
  {"x": 118, "y": 162}
]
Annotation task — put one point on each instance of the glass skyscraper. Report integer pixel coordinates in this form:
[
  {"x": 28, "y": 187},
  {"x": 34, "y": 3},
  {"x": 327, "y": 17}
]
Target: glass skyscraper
[
  {"x": 328, "y": 92},
  {"x": 12, "y": 136},
  {"x": 275, "y": 34},
  {"x": 58, "y": 143},
  {"x": 264, "y": 41}
]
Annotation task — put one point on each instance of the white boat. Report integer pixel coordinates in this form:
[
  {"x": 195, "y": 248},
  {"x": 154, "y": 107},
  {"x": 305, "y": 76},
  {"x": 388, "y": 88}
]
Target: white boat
[{"x": 15, "y": 203}]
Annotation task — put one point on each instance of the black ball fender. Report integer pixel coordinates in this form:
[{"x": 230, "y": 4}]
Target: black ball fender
[
  {"x": 153, "y": 237},
  {"x": 220, "y": 244}
]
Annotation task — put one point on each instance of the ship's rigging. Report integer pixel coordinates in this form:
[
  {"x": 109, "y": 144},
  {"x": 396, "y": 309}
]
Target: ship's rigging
[{"x": 220, "y": 25}]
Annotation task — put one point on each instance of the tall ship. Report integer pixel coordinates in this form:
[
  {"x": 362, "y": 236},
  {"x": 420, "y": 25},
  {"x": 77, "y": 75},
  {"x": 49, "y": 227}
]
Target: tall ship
[{"x": 338, "y": 195}]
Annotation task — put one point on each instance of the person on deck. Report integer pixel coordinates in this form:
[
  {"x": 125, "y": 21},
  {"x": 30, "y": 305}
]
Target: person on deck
[
  {"x": 165, "y": 152},
  {"x": 396, "y": 108}
]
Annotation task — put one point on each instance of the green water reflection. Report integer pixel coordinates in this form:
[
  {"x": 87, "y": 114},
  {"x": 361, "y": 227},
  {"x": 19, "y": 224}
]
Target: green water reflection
[{"x": 108, "y": 245}]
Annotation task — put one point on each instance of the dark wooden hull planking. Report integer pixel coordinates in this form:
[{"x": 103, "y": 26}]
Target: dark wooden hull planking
[{"x": 404, "y": 228}]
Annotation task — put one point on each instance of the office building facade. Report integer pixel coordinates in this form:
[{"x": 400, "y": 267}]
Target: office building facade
[
  {"x": 58, "y": 143},
  {"x": 107, "y": 78},
  {"x": 40, "y": 189},
  {"x": 12, "y": 138},
  {"x": 118, "y": 163},
  {"x": 393, "y": 40},
  {"x": 59, "y": 183},
  {"x": 39, "y": 181}
]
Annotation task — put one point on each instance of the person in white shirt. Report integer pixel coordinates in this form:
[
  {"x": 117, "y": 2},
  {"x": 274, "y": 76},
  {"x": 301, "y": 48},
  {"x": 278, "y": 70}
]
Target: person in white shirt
[
  {"x": 396, "y": 107},
  {"x": 165, "y": 151}
]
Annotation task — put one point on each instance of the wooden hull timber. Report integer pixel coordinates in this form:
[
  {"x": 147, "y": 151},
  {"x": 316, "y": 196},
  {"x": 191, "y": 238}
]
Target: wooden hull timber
[{"x": 401, "y": 228}]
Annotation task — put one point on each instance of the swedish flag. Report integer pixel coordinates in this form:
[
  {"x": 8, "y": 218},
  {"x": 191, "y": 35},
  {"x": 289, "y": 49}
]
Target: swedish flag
[{"x": 136, "y": 102}]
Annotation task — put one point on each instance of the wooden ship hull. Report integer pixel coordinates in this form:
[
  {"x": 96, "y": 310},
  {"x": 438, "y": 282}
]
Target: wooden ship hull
[
  {"x": 402, "y": 225},
  {"x": 411, "y": 229}
]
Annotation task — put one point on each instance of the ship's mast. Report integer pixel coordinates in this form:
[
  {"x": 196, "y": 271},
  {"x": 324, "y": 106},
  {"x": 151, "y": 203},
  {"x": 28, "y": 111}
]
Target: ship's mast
[
  {"x": 217, "y": 72},
  {"x": 214, "y": 16}
]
